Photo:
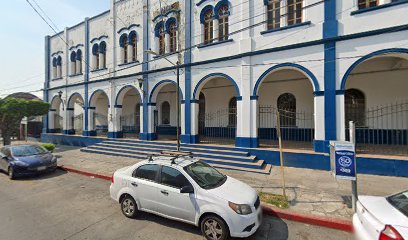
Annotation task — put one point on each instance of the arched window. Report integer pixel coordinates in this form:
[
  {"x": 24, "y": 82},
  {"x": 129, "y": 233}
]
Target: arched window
[
  {"x": 102, "y": 55},
  {"x": 223, "y": 13},
  {"x": 59, "y": 67},
  {"x": 161, "y": 36},
  {"x": 208, "y": 26},
  {"x": 201, "y": 111},
  {"x": 173, "y": 37},
  {"x": 294, "y": 11},
  {"x": 125, "y": 49},
  {"x": 165, "y": 113},
  {"x": 73, "y": 63},
  {"x": 78, "y": 62},
  {"x": 355, "y": 105},
  {"x": 54, "y": 68},
  {"x": 232, "y": 112},
  {"x": 287, "y": 110},
  {"x": 95, "y": 53},
  {"x": 273, "y": 14},
  {"x": 362, "y": 4},
  {"x": 133, "y": 43}
]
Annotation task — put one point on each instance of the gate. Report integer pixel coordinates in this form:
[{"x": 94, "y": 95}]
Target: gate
[
  {"x": 297, "y": 128},
  {"x": 381, "y": 130},
  {"x": 101, "y": 129},
  {"x": 130, "y": 125},
  {"x": 218, "y": 127},
  {"x": 78, "y": 121}
]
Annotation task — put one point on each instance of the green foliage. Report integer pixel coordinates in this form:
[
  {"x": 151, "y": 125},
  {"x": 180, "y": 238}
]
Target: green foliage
[
  {"x": 277, "y": 200},
  {"x": 13, "y": 110},
  {"x": 49, "y": 146}
]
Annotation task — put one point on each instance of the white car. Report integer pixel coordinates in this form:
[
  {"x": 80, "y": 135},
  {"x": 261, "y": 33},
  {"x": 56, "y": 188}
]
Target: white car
[
  {"x": 383, "y": 218},
  {"x": 185, "y": 189}
]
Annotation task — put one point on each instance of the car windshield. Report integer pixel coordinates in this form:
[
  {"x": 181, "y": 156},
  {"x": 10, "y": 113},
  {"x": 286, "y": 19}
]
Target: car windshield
[
  {"x": 27, "y": 150},
  {"x": 400, "y": 202},
  {"x": 205, "y": 175}
]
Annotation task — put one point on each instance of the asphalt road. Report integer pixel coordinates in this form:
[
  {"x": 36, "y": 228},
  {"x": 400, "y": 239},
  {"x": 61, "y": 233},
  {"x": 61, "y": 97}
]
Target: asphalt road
[{"x": 70, "y": 206}]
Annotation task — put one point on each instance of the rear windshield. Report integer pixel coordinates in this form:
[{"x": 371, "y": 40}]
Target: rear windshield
[
  {"x": 400, "y": 202},
  {"x": 22, "y": 151}
]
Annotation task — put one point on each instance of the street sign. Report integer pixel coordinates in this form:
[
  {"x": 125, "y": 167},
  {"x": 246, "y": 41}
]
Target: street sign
[{"x": 343, "y": 160}]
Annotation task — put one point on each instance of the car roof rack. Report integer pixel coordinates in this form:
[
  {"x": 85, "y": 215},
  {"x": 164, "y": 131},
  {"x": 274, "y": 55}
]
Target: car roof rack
[{"x": 173, "y": 154}]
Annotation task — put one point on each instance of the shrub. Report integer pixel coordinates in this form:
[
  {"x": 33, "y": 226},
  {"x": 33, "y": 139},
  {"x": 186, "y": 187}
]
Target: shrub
[{"x": 49, "y": 146}]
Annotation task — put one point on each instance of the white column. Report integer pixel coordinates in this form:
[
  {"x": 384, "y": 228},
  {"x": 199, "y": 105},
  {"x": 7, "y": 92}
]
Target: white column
[
  {"x": 91, "y": 126},
  {"x": 254, "y": 118},
  {"x": 129, "y": 50},
  {"x": 141, "y": 118},
  {"x": 319, "y": 118},
  {"x": 122, "y": 55},
  {"x": 215, "y": 30},
  {"x": 78, "y": 66},
  {"x": 73, "y": 68},
  {"x": 51, "y": 117},
  {"x": 341, "y": 118},
  {"x": 150, "y": 125},
  {"x": 194, "y": 118},
  {"x": 182, "y": 119},
  {"x": 68, "y": 120},
  {"x": 117, "y": 119}
]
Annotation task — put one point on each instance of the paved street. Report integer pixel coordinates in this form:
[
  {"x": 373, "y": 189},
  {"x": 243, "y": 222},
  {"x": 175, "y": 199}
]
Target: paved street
[{"x": 70, "y": 206}]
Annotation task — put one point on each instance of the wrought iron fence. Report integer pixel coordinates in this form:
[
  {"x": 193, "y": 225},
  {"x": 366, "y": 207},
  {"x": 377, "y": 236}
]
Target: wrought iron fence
[
  {"x": 130, "y": 125},
  {"x": 218, "y": 127},
  {"x": 100, "y": 122},
  {"x": 78, "y": 122},
  {"x": 382, "y": 129},
  {"x": 297, "y": 128}
]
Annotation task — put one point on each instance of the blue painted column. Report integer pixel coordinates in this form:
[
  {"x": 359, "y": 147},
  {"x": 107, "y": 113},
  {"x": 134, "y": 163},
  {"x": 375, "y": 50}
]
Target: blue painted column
[
  {"x": 86, "y": 132},
  {"x": 330, "y": 30},
  {"x": 47, "y": 79},
  {"x": 187, "y": 137}
]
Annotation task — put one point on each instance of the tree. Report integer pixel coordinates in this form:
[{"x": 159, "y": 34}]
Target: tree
[{"x": 13, "y": 110}]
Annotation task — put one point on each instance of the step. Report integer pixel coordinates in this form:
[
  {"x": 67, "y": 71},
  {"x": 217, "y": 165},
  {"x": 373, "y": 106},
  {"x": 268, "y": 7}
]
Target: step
[
  {"x": 237, "y": 162},
  {"x": 223, "y": 155},
  {"x": 190, "y": 148},
  {"x": 265, "y": 170}
]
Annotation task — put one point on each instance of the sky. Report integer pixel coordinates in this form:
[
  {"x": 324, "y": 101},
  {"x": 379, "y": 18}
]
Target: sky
[{"x": 22, "y": 34}]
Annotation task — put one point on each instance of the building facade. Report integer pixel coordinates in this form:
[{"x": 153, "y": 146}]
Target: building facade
[{"x": 246, "y": 67}]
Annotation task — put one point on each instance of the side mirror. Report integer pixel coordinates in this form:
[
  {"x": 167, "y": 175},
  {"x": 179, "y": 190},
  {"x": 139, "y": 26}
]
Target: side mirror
[{"x": 187, "y": 189}]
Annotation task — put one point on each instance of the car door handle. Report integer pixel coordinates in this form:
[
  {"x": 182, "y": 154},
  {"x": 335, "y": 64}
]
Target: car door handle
[
  {"x": 134, "y": 184},
  {"x": 164, "y": 192}
]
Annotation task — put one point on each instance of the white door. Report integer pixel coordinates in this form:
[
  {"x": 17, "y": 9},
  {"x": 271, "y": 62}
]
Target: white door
[
  {"x": 145, "y": 186},
  {"x": 171, "y": 202}
]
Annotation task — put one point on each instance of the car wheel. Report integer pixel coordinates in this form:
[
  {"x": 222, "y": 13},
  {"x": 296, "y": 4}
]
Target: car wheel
[
  {"x": 129, "y": 207},
  {"x": 214, "y": 228},
  {"x": 11, "y": 173}
]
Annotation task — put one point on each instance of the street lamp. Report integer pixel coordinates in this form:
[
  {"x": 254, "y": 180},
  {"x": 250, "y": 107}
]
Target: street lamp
[
  {"x": 177, "y": 65},
  {"x": 60, "y": 96}
]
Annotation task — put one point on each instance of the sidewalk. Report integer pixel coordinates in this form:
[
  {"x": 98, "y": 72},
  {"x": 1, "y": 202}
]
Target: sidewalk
[{"x": 309, "y": 191}]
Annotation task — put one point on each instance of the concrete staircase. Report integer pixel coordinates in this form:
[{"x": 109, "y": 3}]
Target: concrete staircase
[{"x": 217, "y": 156}]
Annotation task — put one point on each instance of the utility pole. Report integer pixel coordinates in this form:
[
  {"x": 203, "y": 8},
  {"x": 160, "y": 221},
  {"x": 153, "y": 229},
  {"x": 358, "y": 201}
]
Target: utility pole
[
  {"x": 282, "y": 168},
  {"x": 354, "y": 195}
]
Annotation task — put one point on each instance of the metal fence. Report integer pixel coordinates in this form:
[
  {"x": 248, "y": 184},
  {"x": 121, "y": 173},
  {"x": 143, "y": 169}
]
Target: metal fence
[
  {"x": 381, "y": 130},
  {"x": 218, "y": 127},
  {"x": 78, "y": 122},
  {"x": 130, "y": 125},
  {"x": 100, "y": 123},
  {"x": 297, "y": 128}
]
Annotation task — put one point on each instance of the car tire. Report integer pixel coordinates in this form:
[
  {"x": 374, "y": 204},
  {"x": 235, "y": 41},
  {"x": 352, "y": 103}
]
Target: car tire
[
  {"x": 214, "y": 228},
  {"x": 11, "y": 173},
  {"x": 129, "y": 207}
]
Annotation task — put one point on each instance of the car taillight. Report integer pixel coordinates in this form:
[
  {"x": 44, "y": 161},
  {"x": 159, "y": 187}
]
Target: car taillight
[
  {"x": 390, "y": 233},
  {"x": 112, "y": 179}
]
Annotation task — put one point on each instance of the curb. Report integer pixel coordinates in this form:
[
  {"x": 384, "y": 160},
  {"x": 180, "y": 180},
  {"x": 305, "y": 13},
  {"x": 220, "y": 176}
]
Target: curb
[{"x": 334, "y": 223}]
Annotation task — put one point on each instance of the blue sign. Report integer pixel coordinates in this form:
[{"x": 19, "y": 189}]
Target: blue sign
[{"x": 345, "y": 161}]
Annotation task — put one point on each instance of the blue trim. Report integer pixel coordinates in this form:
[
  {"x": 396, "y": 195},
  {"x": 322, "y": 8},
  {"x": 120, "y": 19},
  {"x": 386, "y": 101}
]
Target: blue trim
[
  {"x": 76, "y": 46},
  {"x": 165, "y": 14},
  {"x": 306, "y": 71},
  {"x": 246, "y": 142},
  {"x": 145, "y": 68},
  {"x": 132, "y": 35},
  {"x": 69, "y": 132},
  {"x": 98, "y": 70},
  {"x": 115, "y": 134},
  {"x": 203, "y": 45},
  {"x": 157, "y": 29},
  {"x": 122, "y": 40},
  {"x": 98, "y": 38},
  {"x": 128, "y": 28},
  {"x": 98, "y": 91},
  {"x": 204, "y": 11},
  {"x": 76, "y": 75},
  {"x": 213, "y": 75},
  {"x": 95, "y": 49},
  {"x": 366, "y": 57},
  {"x": 219, "y": 5},
  {"x": 201, "y": 2},
  {"x": 148, "y": 136},
  {"x": 318, "y": 93},
  {"x": 321, "y": 146},
  {"x": 151, "y": 104},
  {"x": 161, "y": 83},
  {"x": 79, "y": 55},
  {"x": 340, "y": 92},
  {"x": 124, "y": 88},
  {"x": 52, "y": 110},
  {"x": 190, "y": 139},
  {"x": 194, "y": 101},
  {"x": 254, "y": 98},
  {"x": 118, "y": 106},
  {"x": 168, "y": 22},
  {"x": 91, "y": 133},
  {"x": 286, "y": 27},
  {"x": 382, "y": 6},
  {"x": 56, "y": 53},
  {"x": 102, "y": 47},
  {"x": 239, "y": 98}
]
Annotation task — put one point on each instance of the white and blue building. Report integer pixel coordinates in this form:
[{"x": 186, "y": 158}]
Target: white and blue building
[{"x": 319, "y": 63}]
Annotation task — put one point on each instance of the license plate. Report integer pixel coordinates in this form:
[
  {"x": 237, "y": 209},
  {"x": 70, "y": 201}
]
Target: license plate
[{"x": 41, "y": 168}]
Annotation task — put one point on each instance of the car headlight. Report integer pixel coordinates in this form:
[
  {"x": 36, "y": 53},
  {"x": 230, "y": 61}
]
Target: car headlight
[
  {"x": 21, "y": 164},
  {"x": 54, "y": 159},
  {"x": 242, "y": 209}
]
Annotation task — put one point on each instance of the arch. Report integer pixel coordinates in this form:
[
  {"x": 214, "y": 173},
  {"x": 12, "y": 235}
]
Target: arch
[
  {"x": 165, "y": 113},
  {"x": 168, "y": 22},
  {"x": 132, "y": 35},
  {"x": 157, "y": 28},
  {"x": 53, "y": 101},
  {"x": 95, "y": 49},
  {"x": 123, "y": 38},
  {"x": 219, "y": 5},
  {"x": 210, "y": 76},
  {"x": 73, "y": 56},
  {"x": 366, "y": 57},
  {"x": 79, "y": 55},
  {"x": 281, "y": 66},
  {"x": 59, "y": 60},
  {"x": 122, "y": 92},
  {"x": 159, "y": 85},
  {"x": 95, "y": 93},
  {"x": 54, "y": 62},
  {"x": 355, "y": 107},
  {"x": 70, "y": 103},
  {"x": 102, "y": 47},
  {"x": 204, "y": 11}
]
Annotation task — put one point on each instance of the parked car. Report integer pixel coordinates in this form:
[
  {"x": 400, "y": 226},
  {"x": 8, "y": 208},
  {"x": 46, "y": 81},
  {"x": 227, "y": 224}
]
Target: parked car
[
  {"x": 22, "y": 160},
  {"x": 185, "y": 189},
  {"x": 384, "y": 218}
]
